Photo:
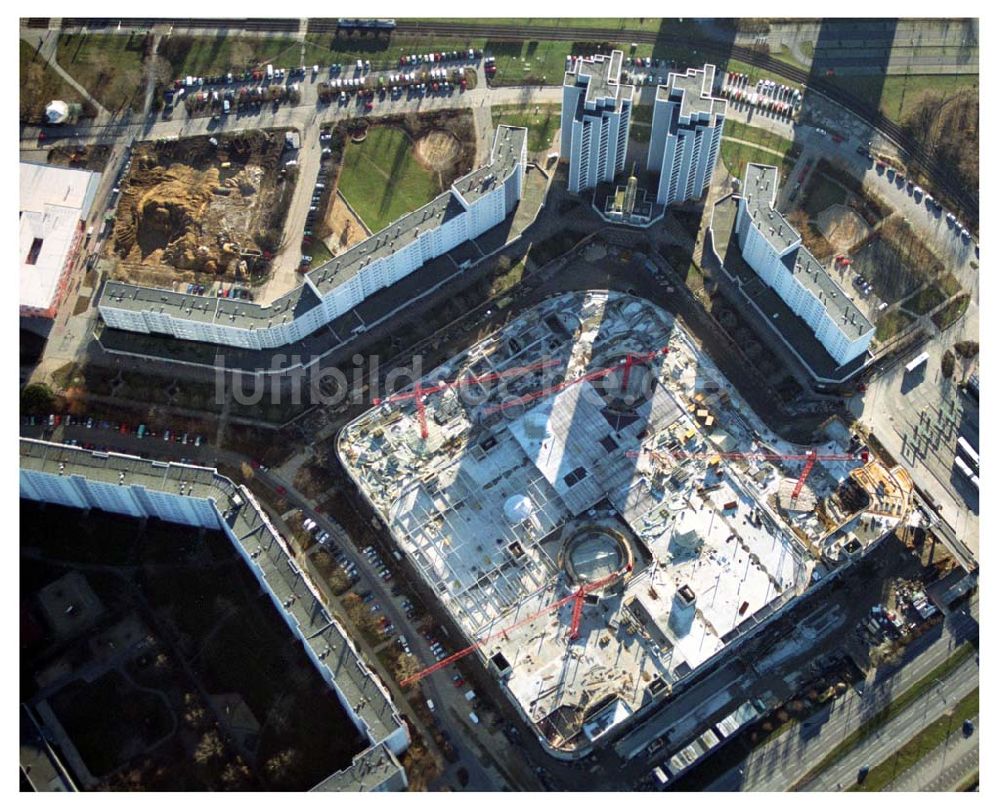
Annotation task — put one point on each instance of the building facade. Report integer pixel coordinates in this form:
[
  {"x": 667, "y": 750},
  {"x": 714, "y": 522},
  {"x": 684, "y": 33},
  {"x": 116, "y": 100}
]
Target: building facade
[
  {"x": 596, "y": 115},
  {"x": 54, "y": 204},
  {"x": 773, "y": 248},
  {"x": 198, "y": 496},
  {"x": 474, "y": 204},
  {"x": 686, "y": 135}
]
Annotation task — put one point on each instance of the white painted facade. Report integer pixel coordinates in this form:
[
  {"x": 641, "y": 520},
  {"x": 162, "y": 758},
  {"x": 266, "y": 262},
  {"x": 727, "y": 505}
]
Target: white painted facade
[
  {"x": 686, "y": 135},
  {"x": 773, "y": 248},
  {"x": 298, "y": 314},
  {"x": 77, "y": 478},
  {"x": 595, "y": 121}
]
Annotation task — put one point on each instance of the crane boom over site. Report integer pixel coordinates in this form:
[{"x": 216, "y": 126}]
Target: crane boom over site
[
  {"x": 599, "y": 373},
  {"x": 577, "y": 596},
  {"x": 419, "y": 392}
]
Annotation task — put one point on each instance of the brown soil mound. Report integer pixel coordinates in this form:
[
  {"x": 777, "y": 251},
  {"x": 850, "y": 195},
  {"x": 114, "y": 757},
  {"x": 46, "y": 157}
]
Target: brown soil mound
[
  {"x": 437, "y": 150},
  {"x": 842, "y": 227}
]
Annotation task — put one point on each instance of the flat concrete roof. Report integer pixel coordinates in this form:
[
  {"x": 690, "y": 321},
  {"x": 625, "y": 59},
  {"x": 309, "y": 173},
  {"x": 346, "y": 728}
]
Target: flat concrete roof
[
  {"x": 600, "y": 74},
  {"x": 694, "y": 91},
  {"x": 760, "y": 188},
  {"x": 578, "y": 460},
  {"x": 53, "y": 201}
]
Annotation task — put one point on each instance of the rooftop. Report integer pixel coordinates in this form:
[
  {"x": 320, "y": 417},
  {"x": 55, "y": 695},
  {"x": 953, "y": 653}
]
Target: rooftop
[
  {"x": 269, "y": 555},
  {"x": 506, "y": 153},
  {"x": 600, "y": 75},
  {"x": 574, "y": 459},
  {"x": 694, "y": 90},
  {"x": 760, "y": 188},
  {"x": 53, "y": 201},
  {"x": 507, "y": 146}
]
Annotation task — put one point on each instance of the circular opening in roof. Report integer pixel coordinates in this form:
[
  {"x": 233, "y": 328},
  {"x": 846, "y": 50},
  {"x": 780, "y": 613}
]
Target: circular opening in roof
[{"x": 594, "y": 553}]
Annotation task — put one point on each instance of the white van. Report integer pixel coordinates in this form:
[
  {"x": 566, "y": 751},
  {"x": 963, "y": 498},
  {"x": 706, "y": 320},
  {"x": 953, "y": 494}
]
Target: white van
[
  {"x": 270, "y": 72},
  {"x": 473, "y": 717},
  {"x": 430, "y": 704}
]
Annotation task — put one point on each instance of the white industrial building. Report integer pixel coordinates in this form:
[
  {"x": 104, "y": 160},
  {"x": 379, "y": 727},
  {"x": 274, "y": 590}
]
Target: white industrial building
[
  {"x": 198, "y": 496},
  {"x": 686, "y": 134},
  {"x": 474, "y": 204},
  {"x": 54, "y": 203},
  {"x": 596, "y": 114},
  {"x": 773, "y": 248}
]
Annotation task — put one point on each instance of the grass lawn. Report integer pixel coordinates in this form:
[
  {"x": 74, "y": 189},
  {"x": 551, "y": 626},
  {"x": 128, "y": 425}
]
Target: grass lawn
[
  {"x": 110, "y": 66},
  {"x": 382, "y": 179},
  {"x": 896, "y": 96},
  {"x": 927, "y": 299},
  {"x": 198, "y": 56},
  {"x": 318, "y": 251},
  {"x": 642, "y": 113},
  {"x": 931, "y": 737},
  {"x": 762, "y": 137},
  {"x": 821, "y": 193},
  {"x": 949, "y": 285},
  {"x": 891, "y": 324},
  {"x": 542, "y": 121},
  {"x": 508, "y": 280},
  {"x": 40, "y": 84},
  {"x": 948, "y": 314},
  {"x": 735, "y": 156}
]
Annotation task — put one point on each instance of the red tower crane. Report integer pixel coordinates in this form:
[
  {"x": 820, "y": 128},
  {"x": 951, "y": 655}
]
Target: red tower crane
[
  {"x": 577, "y": 597},
  {"x": 599, "y": 373},
  {"x": 809, "y": 456},
  {"x": 419, "y": 392}
]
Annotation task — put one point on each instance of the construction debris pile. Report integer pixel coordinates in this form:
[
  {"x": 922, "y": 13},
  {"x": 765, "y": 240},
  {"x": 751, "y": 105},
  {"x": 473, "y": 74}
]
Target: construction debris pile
[{"x": 199, "y": 205}]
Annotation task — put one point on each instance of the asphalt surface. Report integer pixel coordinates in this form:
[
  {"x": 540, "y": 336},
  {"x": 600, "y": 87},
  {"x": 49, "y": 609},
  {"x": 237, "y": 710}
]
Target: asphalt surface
[
  {"x": 779, "y": 764},
  {"x": 944, "y": 768}
]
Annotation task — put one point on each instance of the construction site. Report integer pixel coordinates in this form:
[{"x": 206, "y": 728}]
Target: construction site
[
  {"x": 201, "y": 210},
  {"x": 600, "y": 512}
]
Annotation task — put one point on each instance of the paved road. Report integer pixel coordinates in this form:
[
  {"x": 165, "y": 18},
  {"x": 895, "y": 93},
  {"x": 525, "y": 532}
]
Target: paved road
[
  {"x": 777, "y": 765},
  {"x": 881, "y": 744},
  {"x": 945, "y": 768}
]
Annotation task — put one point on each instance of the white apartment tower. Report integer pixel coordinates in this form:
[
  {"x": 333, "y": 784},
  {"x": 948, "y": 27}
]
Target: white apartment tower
[
  {"x": 773, "y": 248},
  {"x": 596, "y": 113},
  {"x": 686, "y": 135}
]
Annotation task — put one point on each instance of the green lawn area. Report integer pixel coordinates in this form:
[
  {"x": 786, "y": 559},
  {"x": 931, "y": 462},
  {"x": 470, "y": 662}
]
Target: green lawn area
[
  {"x": 878, "y": 719},
  {"x": 949, "y": 285},
  {"x": 642, "y": 113},
  {"x": 951, "y": 312},
  {"x": 896, "y": 96},
  {"x": 318, "y": 251},
  {"x": 821, "y": 193},
  {"x": 891, "y": 324},
  {"x": 40, "y": 84},
  {"x": 382, "y": 179},
  {"x": 110, "y": 66},
  {"x": 198, "y": 56},
  {"x": 735, "y": 156},
  {"x": 925, "y": 300},
  {"x": 542, "y": 121},
  {"x": 762, "y": 137},
  {"x": 931, "y": 737}
]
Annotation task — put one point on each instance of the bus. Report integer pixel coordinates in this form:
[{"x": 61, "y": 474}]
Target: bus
[
  {"x": 912, "y": 365},
  {"x": 966, "y": 448}
]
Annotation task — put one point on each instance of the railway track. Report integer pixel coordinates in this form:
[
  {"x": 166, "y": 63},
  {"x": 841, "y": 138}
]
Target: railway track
[{"x": 958, "y": 198}]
